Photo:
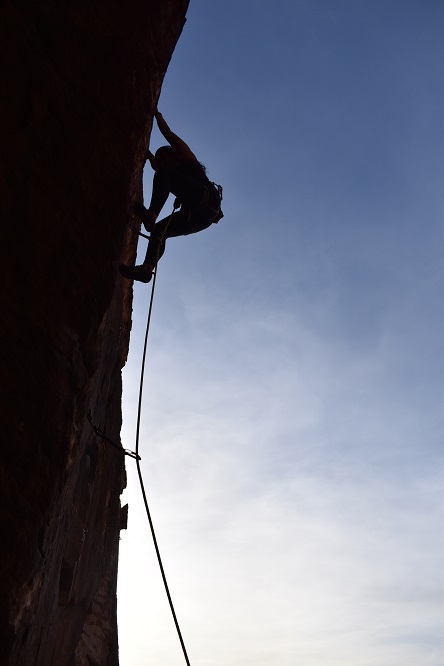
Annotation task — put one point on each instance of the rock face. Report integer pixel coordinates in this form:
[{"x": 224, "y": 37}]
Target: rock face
[{"x": 80, "y": 84}]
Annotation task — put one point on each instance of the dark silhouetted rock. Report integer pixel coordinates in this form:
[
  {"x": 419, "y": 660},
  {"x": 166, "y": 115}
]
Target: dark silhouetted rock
[{"x": 79, "y": 86}]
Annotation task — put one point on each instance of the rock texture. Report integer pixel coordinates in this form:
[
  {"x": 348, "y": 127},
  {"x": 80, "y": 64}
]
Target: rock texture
[{"x": 79, "y": 87}]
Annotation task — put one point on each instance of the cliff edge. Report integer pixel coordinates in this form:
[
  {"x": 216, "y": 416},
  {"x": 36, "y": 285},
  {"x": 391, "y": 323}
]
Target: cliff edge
[{"x": 80, "y": 85}]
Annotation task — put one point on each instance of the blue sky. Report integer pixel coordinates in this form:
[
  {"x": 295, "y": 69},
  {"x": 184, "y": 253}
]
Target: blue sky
[{"x": 292, "y": 429}]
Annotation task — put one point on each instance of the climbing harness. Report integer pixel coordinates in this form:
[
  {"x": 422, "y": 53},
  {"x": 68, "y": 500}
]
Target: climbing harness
[
  {"x": 219, "y": 212},
  {"x": 177, "y": 203},
  {"x": 101, "y": 434},
  {"x": 219, "y": 189}
]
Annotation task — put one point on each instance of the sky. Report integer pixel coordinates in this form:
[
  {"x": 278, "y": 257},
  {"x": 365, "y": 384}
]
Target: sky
[{"x": 292, "y": 427}]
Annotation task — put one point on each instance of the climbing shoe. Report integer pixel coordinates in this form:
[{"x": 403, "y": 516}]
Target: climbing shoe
[
  {"x": 139, "y": 273},
  {"x": 144, "y": 215}
]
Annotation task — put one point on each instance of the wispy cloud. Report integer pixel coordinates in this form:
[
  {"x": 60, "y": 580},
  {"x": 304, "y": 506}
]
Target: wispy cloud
[
  {"x": 275, "y": 483},
  {"x": 292, "y": 428}
]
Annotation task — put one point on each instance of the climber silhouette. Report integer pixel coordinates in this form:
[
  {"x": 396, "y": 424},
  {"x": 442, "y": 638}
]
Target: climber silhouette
[{"x": 177, "y": 170}]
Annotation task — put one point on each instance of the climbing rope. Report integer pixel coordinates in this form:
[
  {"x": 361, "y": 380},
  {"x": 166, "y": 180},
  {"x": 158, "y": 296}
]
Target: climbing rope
[
  {"x": 139, "y": 233},
  {"x": 139, "y": 471},
  {"x": 135, "y": 454}
]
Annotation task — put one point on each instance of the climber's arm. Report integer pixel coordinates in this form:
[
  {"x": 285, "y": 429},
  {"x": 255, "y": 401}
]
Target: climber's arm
[
  {"x": 175, "y": 141},
  {"x": 151, "y": 158}
]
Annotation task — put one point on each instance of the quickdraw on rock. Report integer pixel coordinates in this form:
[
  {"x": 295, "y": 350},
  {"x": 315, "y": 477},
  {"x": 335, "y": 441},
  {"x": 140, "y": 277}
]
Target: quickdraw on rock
[{"x": 119, "y": 447}]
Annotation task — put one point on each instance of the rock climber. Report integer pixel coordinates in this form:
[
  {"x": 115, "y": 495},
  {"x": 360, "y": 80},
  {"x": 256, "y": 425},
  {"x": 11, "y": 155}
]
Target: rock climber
[{"x": 177, "y": 171}]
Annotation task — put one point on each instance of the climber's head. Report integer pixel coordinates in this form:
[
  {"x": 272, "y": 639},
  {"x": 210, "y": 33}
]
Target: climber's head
[{"x": 165, "y": 156}]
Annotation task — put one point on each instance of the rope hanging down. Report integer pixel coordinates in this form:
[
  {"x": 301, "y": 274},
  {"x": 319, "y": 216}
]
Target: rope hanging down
[
  {"x": 135, "y": 454},
  {"x": 139, "y": 471}
]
